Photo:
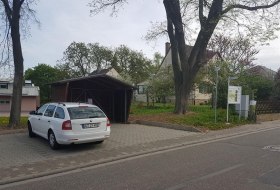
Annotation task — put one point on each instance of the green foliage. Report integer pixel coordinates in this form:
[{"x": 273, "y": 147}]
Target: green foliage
[
  {"x": 258, "y": 87},
  {"x": 223, "y": 74},
  {"x": 132, "y": 65},
  {"x": 276, "y": 91},
  {"x": 206, "y": 120},
  {"x": 157, "y": 61},
  {"x": 222, "y": 94},
  {"x": 141, "y": 109},
  {"x": 42, "y": 75},
  {"x": 4, "y": 121},
  {"x": 81, "y": 59},
  {"x": 199, "y": 116},
  {"x": 161, "y": 85}
]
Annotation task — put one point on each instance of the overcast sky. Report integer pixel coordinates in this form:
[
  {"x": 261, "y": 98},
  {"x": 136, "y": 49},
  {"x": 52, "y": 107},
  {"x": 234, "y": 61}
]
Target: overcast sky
[{"x": 65, "y": 21}]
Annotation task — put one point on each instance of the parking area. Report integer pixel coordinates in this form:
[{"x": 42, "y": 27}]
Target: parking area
[
  {"x": 18, "y": 149},
  {"x": 24, "y": 157}
]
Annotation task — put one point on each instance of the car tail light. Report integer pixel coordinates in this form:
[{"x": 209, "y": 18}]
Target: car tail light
[
  {"x": 66, "y": 125},
  {"x": 108, "y": 123}
]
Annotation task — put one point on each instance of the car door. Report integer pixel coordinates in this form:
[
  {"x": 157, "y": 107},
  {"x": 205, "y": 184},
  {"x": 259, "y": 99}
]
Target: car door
[
  {"x": 35, "y": 120},
  {"x": 58, "y": 119},
  {"x": 46, "y": 120}
]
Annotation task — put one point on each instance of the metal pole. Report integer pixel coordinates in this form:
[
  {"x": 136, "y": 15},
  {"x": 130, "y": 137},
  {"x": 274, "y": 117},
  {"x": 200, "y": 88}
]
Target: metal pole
[
  {"x": 125, "y": 106},
  {"x": 240, "y": 104},
  {"x": 216, "y": 98},
  {"x": 216, "y": 104},
  {"x": 239, "y": 111},
  {"x": 227, "y": 99}
]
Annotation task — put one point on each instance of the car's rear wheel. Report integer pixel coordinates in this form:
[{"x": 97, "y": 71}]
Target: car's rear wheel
[
  {"x": 30, "y": 131},
  {"x": 52, "y": 141}
]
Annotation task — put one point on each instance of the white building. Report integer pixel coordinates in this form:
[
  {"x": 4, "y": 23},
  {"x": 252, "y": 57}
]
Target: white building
[
  {"x": 198, "y": 95},
  {"x": 30, "y": 97}
]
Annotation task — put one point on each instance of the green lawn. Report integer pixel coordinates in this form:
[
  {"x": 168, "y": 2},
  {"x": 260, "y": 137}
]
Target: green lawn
[
  {"x": 5, "y": 120},
  {"x": 143, "y": 109},
  {"x": 202, "y": 116}
]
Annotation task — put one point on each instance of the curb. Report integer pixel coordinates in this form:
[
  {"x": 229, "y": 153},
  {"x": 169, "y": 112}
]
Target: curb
[
  {"x": 12, "y": 131},
  {"x": 169, "y": 126}
]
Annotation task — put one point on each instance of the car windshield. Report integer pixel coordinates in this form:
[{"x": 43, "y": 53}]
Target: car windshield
[{"x": 83, "y": 112}]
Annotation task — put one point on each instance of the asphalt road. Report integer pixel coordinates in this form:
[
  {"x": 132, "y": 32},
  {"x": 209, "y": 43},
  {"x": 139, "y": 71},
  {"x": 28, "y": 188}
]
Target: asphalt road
[{"x": 244, "y": 162}]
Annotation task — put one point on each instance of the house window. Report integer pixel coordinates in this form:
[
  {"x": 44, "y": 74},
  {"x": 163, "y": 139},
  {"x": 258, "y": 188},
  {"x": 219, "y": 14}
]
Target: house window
[
  {"x": 142, "y": 89},
  {"x": 4, "y": 102},
  {"x": 27, "y": 84},
  {"x": 3, "y": 86},
  {"x": 204, "y": 88}
]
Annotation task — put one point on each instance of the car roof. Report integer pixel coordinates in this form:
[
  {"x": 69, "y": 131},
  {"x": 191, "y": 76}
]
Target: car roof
[{"x": 71, "y": 104}]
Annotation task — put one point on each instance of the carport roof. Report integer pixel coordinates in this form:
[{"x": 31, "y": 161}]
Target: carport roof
[{"x": 102, "y": 78}]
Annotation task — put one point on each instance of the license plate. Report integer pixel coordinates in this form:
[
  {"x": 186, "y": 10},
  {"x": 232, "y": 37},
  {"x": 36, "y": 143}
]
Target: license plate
[{"x": 90, "y": 125}]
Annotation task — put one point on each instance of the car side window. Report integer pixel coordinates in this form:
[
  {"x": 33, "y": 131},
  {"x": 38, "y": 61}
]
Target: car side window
[
  {"x": 59, "y": 113},
  {"x": 49, "y": 111},
  {"x": 42, "y": 109}
]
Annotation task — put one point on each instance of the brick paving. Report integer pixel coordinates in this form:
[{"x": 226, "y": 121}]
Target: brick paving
[{"x": 24, "y": 158}]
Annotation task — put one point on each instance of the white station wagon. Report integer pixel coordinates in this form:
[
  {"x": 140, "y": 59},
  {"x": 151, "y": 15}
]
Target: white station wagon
[{"x": 69, "y": 123}]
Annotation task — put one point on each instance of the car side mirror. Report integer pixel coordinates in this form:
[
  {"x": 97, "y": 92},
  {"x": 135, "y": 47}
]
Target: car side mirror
[{"x": 32, "y": 113}]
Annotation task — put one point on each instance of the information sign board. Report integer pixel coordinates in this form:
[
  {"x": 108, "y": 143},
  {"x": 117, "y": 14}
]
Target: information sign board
[{"x": 234, "y": 94}]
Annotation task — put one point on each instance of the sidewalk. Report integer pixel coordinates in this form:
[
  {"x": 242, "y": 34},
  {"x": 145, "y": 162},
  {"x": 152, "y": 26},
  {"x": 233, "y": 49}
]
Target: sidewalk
[{"x": 24, "y": 158}]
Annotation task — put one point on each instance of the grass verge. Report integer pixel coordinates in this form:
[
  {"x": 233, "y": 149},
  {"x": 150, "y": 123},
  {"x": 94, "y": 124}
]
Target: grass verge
[
  {"x": 4, "y": 121},
  {"x": 201, "y": 116}
]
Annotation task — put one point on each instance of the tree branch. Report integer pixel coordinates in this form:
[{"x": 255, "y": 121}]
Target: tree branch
[
  {"x": 8, "y": 10},
  {"x": 202, "y": 18},
  {"x": 201, "y": 12},
  {"x": 99, "y": 5},
  {"x": 239, "y": 6},
  {"x": 174, "y": 43},
  {"x": 21, "y": 2}
]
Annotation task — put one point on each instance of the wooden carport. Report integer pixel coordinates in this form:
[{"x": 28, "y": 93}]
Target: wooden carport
[{"x": 110, "y": 94}]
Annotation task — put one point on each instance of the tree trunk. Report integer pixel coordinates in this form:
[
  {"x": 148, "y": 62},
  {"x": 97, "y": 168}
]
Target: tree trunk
[
  {"x": 18, "y": 65},
  {"x": 185, "y": 66},
  {"x": 179, "y": 57},
  {"x": 182, "y": 98}
]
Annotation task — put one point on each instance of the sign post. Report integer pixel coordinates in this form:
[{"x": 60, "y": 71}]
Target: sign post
[
  {"x": 234, "y": 97},
  {"x": 216, "y": 94}
]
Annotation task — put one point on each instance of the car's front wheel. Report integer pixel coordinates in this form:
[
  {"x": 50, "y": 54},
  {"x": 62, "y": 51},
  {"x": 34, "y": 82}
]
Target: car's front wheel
[
  {"x": 52, "y": 141},
  {"x": 30, "y": 131}
]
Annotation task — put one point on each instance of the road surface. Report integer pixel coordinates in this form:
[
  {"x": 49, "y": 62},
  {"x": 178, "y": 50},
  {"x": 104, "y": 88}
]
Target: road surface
[{"x": 242, "y": 162}]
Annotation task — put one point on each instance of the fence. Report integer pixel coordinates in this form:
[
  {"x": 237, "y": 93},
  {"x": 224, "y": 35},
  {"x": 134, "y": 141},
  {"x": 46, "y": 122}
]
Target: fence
[{"x": 266, "y": 107}]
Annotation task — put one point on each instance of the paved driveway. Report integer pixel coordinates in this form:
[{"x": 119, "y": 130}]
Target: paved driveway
[
  {"x": 22, "y": 156},
  {"x": 18, "y": 149}
]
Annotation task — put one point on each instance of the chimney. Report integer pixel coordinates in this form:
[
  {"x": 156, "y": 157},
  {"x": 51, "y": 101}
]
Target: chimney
[{"x": 167, "y": 47}]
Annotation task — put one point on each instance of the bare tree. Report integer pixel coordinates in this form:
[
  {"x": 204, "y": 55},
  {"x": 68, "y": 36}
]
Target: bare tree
[
  {"x": 13, "y": 14},
  {"x": 259, "y": 18},
  {"x": 239, "y": 52}
]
